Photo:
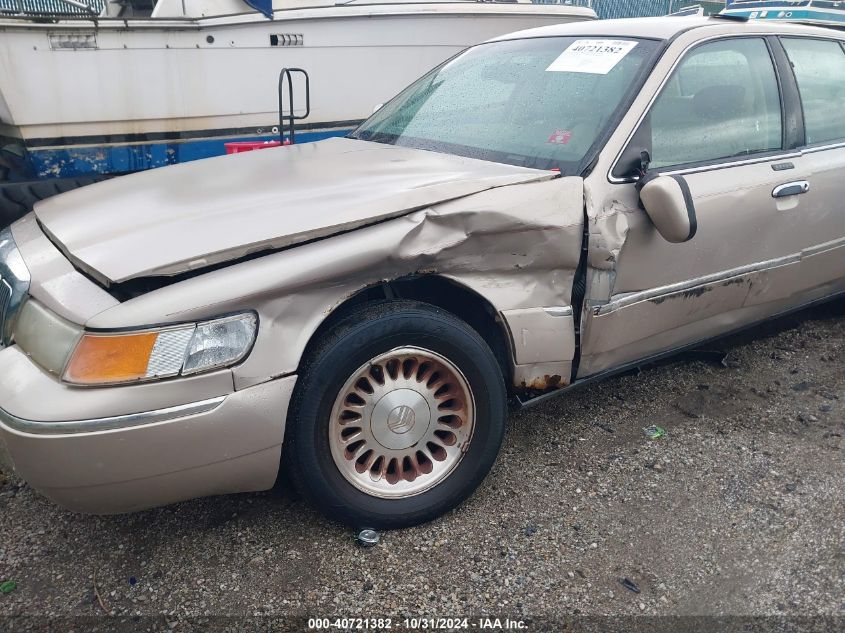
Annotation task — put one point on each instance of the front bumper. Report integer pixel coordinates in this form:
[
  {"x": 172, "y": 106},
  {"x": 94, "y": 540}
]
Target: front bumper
[{"x": 121, "y": 449}]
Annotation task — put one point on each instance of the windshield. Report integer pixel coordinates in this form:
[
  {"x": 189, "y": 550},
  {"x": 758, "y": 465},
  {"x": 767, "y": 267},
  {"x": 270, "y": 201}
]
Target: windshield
[{"x": 540, "y": 102}]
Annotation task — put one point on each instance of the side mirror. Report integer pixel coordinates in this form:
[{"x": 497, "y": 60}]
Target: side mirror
[{"x": 668, "y": 202}]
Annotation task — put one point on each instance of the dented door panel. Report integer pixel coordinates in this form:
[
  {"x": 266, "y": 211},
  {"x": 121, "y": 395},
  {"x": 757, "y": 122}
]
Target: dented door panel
[
  {"x": 648, "y": 295},
  {"x": 739, "y": 224}
]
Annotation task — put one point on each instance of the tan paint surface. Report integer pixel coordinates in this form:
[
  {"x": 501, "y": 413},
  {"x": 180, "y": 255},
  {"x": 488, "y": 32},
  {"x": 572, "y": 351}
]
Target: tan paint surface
[
  {"x": 517, "y": 247},
  {"x": 29, "y": 392},
  {"x": 665, "y": 205},
  {"x": 539, "y": 337},
  {"x": 235, "y": 448},
  {"x": 510, "y": 236},
  {"x": 794, "y": 247},
  {"x": 55, "y": 282},
  {"x": 193, "y": 215}
]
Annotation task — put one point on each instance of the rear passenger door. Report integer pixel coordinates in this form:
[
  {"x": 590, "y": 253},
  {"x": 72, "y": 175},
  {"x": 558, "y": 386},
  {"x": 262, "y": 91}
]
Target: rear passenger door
[
  {"x": 723, "y": 123},
  {"x": 819, "y": 69}
]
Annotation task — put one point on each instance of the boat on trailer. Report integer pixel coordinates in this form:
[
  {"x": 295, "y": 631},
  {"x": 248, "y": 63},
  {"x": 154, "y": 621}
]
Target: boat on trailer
[
  {"x": 823, "y": 12},
  {"x": 100, "y": 87}
]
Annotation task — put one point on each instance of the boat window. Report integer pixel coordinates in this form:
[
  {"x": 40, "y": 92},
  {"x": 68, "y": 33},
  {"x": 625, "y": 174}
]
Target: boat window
[
  {"x": 541, "y": 102},
  {"x": 721, "y": 101},
  {"x": 819, "y": 67}
]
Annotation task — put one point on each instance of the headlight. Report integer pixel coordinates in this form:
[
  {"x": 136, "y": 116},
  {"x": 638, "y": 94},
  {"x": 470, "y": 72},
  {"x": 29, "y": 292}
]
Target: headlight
[{"x": 101, "y": 359}]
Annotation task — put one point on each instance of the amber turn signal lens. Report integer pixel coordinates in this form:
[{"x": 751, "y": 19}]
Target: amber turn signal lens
[{"x": 110, "y": 359}]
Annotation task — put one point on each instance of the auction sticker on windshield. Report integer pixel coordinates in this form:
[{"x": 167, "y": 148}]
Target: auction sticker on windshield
[{"x": 597, "y": 57}]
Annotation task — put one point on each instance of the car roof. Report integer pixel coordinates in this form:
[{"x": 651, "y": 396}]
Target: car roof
[{"x": 664, "y": 28}]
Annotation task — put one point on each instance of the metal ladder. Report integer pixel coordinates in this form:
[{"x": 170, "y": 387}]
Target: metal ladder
[{"x": 286, "y": 120}]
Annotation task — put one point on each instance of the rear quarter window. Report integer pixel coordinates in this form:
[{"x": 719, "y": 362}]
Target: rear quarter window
[{"x": 819, "y": 67}]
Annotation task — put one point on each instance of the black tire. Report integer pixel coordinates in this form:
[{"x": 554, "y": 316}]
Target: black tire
[
  {"x": 18, "y": 198},
  {"x": 360, "y": 336}
]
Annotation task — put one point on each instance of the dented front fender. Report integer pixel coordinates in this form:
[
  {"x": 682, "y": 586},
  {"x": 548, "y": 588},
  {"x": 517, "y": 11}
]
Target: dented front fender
[{"x": 515, "y": 246}]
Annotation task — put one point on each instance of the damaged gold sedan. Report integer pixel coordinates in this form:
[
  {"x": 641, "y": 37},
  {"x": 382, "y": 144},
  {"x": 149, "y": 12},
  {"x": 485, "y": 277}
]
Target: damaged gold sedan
[{"x": 542, "y": 210}]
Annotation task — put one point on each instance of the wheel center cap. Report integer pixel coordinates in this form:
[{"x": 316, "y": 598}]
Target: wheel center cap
[{"x": 400, "y": 419}]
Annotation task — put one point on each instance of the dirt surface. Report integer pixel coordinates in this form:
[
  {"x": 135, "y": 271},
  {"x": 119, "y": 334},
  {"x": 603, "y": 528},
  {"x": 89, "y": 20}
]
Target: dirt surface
[{"x": 739, "y": 509}]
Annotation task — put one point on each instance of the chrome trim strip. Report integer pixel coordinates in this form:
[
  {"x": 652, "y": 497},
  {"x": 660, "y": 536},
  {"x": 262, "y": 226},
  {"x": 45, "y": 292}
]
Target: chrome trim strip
[
  {"x": 823, "y": 248},
  {"x": 716, "y": 165},
  {"x": 822, "y": 148},
  {"x": 109, "y": 424},
  {"x": 16, "y": 278},
  {"x": 559, "y": 311},
  {"x": 642, "y": 362},
  {"x": 622, "y": 301}
]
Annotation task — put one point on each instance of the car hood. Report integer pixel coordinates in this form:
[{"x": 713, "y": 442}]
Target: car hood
[{"x": 194, "y": 215}]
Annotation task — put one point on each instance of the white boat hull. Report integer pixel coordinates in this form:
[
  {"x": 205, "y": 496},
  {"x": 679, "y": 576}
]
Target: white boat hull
[{"x": 74, "y": 81}]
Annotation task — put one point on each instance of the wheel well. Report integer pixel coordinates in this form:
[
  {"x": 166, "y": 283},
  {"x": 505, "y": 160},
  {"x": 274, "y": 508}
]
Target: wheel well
[{"x": 448, "y": 295}]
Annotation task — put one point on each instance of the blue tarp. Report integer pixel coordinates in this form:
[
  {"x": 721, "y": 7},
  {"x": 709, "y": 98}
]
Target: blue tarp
[{"x": 264, "y": 6}]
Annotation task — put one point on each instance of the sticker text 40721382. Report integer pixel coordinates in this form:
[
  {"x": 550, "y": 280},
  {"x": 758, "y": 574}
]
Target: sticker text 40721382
[{"x": 596, "y": 57}]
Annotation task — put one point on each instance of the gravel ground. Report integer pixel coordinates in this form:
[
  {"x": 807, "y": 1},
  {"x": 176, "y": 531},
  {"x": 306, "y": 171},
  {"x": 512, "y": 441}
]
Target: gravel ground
[{"x": 738, "y": 510}]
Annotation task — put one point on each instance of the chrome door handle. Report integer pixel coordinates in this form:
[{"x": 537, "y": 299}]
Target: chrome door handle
[{"x": 791, "y": 189}]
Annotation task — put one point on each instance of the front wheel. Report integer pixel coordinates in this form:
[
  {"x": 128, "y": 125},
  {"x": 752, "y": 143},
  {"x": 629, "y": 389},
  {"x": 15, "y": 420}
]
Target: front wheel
[{"x": 397, "y": 417}]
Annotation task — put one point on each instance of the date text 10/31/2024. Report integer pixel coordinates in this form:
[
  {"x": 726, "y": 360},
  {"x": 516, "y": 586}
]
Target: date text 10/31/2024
[{"x": 422, "y": 624}]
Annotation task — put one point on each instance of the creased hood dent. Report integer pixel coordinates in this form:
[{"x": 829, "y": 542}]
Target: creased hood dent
[{"x": 172, "y": 220}]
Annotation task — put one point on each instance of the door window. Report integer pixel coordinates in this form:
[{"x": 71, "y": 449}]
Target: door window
[
  {"x": 722, "y": 101},
  {"x": 819, "y": 67}
]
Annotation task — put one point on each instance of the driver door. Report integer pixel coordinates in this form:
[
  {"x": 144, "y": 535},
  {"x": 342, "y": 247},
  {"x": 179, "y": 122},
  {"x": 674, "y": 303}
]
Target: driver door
[{"x": 718, "y": 124}]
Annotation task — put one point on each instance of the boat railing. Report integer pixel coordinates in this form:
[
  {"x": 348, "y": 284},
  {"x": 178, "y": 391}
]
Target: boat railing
[
  {"x": 52, "y": 7},
  {"x": 287, "y": 120}
]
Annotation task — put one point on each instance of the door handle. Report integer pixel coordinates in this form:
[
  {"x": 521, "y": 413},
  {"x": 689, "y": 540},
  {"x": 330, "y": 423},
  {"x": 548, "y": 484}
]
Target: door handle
[{"x": 791, "y": 189}]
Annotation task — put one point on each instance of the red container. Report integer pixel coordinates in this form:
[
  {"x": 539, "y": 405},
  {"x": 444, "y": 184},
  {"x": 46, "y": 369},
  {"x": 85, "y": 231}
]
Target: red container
[{"x": 236, "y": 147}]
